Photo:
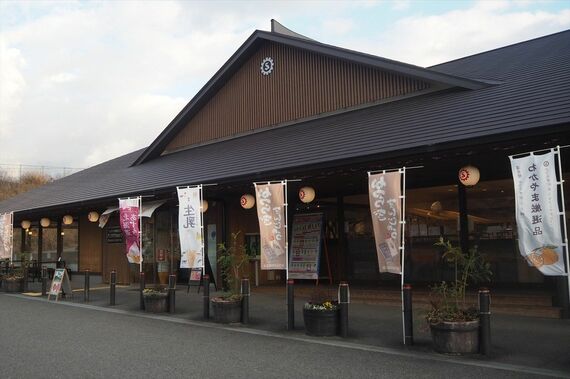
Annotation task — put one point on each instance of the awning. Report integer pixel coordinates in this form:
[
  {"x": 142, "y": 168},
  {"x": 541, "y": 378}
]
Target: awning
[{"x": 148, "y": 209}]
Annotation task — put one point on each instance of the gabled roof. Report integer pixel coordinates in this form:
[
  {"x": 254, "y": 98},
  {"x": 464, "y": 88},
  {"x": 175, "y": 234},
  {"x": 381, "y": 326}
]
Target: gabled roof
[
  {"x": 252, "y": 44},
  {"x": 533, "y": 97}
]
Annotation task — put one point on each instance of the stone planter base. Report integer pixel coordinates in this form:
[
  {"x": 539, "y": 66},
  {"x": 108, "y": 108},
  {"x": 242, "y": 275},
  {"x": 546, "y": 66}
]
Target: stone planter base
[
  {"x": 226, "y": 311},
  {"x": 13, "y": 285},
  {"x": 456, "y": 337},
  {"x": 156, "y": 303},
  {"x": 321, "y": 323}
]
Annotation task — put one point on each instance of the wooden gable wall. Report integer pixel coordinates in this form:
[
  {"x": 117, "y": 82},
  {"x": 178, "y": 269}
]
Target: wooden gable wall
[{"x": 302, "y": 84}]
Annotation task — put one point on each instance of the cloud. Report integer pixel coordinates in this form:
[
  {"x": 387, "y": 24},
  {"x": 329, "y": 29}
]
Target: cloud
[{"x": 426, "y": 40}]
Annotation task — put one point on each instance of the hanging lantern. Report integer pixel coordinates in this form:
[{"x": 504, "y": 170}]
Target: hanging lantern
[
  {"x": 67, "y": 220},
  {"x": 26, "y": 224},
  {"x": 204, "y": 206},
  {"x": 247, "y": 201},
  {"x": 44, "y": 222},
  {"x": 307, "y": 194},
  {"x": 93, "y": 216},
  {"x": 436, "y": 207},
  {"x": 469, "y": 175}
]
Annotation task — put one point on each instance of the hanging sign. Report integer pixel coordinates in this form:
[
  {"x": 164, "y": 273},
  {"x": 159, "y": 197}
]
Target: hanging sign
[
  {"x": 129, "y": 220},
  {"x": 6, "y": 239},
  {"x": 538, "y": 213},
  {"x": 306, "y": 246},
  {"x": 271, "y": 214},
  {"x": 59, "y": 281},
  {"x": 385, "y": 206},
  {"x": 190, "y": 227}
]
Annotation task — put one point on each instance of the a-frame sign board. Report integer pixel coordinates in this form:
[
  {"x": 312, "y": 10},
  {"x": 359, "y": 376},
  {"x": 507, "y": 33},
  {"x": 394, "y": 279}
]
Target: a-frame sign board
[
  {"x": 195, "y": 278},
  {"x": 60, "y": 282}
]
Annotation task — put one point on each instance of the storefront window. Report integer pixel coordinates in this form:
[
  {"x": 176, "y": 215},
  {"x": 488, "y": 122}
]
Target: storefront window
[
  {"x": 49, "y": 247},
  {"x": 431, "y": 213},
  {"x": 70, "y": 251},
  {"x": 29, "y": 251}
]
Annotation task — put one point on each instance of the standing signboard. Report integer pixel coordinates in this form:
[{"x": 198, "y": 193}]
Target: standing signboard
[
  {"x": 306, "y": 241},
  {"x": 60, "y": 282}
]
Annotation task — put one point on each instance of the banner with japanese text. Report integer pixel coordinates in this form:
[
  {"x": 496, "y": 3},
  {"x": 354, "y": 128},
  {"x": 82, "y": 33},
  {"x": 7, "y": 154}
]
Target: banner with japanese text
[
  {"x": 129, "y": 215},
  {"x": 190, "y": 227},
  {"x": 271, "y": 214},
  {"x": 384, "y": 191},
  {"x": 538, "y": 213},
  {"x": 6, "y": 240}
]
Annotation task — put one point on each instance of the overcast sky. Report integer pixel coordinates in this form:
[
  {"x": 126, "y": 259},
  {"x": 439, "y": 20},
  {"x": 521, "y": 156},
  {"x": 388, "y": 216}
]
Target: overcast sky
[{"x": 84, "y": 82}]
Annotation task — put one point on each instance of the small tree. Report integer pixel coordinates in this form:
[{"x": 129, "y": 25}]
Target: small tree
[
  {"x": 231, "y": 262},
  {"x": 450, "y": 303}
]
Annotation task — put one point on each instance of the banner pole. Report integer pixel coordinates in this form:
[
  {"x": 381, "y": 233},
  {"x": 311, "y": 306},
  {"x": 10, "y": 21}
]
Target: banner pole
[
  {"x": 403, "y": 248},
  {"x": 201, "y": 189},
  {"x": 140, "y": 234},
  {"x": 286, "y": 206},
  {"x": 564, "y": 226}
]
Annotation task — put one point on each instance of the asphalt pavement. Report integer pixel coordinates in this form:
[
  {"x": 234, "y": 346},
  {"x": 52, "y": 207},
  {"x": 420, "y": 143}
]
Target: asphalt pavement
[{"x": 77, "y": 339}]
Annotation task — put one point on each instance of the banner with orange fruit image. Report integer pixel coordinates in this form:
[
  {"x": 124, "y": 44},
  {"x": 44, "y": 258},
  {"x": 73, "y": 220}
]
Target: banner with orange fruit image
[{"x": 538, "y": 212}]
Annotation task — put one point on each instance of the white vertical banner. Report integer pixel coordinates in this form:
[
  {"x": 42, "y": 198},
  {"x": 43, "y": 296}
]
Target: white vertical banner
[
  {"x": 272, "y": 215},
  {"x": 538, "y": 213},
  {"x": 385, "y": 194},
  {"x": 190, "y": 227},
  {"x": 6, "y": 235}
]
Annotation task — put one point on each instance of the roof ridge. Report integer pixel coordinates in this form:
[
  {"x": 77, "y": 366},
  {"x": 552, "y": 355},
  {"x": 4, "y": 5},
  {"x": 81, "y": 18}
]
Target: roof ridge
[{"x": 500, "y": 48}]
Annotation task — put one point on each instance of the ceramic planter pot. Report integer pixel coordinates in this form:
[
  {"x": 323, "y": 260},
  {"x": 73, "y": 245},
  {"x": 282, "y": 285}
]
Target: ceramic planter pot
[
  {"x": 456, "y": 337},
  {"x": 226, "y": 311},
  {"x": 321, "y": 323},
  {"x": 156, "y": 303},
  {"x": 13, "y": 285}
]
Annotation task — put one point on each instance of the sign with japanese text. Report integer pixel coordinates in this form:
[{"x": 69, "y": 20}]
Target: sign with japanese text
[
  {"x": 129, "y": 215},
  {"x": 305, "y": 253},
  {"x": 60, "y": 280},
  {"x": 384, "y": 191},
  {"x": 538, "y": 213},
  {"x": 190, "y": 227},
  {"x": 271, "y": 214},
  {"x": 6, "y": 240}
]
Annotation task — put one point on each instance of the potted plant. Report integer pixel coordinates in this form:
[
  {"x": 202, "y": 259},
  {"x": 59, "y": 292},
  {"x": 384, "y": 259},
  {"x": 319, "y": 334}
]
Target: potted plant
[
  {"x": 14, "y": 281},
  {"x": 155, "y": 300},
  {"x": 454, "y": 323},
  {"x": 321, "y": 316},
  {"x": 227, "y": 307}
]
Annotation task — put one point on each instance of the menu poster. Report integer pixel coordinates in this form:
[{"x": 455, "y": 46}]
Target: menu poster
[
  {"x": 306, "y": 246},
  {"x": 60, "y": 279}
]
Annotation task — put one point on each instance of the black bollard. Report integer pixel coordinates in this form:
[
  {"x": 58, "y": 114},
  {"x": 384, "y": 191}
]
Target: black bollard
[
  {"x": 206, "y": 297},
  {"x": 142, "y": 286},
  {"x": 343, "y": 301},
  {"x": 408, "y": 315},
  {"x": 44, "y": 281},
  {"x": 245, "y": 301},
  {"x": 86, "y": 287},
  {"x": 113, "y": 284},
  {"x": 484, "y": 321},
  {"x": 171, "y": 293},
  {"x": 290, "y": 304}
]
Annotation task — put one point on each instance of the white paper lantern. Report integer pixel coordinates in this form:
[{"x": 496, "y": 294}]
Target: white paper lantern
[
  {"x": 247, "y": 201},
  {"x": 469, "y": 175},
  {"x": 93, "y": 216},
  {"x": 44, "y": 222},
  {"x": 26, "y": 224},
  {"x": 67, "y": 220},
  {"x": 307, "y": 194},
  {"x": 204, "y": 206}
]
